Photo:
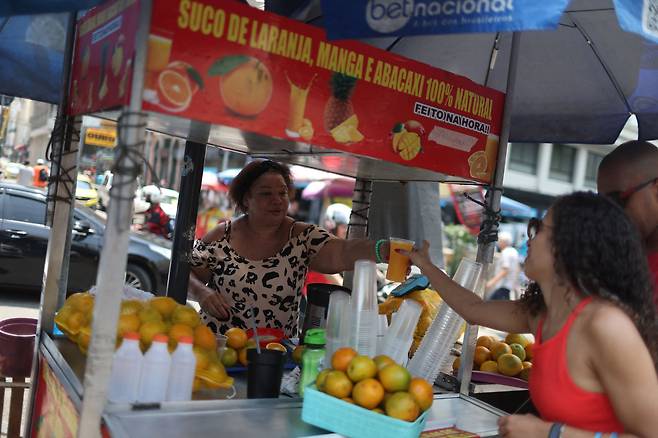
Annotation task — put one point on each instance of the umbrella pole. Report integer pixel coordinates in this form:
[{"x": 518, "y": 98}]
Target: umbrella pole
[
  {"x": 112, "y": 268},
  {"x": 188, "y": 206},
  {"x": 489, "y": 230}
]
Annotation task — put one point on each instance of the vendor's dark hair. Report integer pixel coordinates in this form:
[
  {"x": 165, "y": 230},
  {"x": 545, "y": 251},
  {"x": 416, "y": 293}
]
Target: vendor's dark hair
[
  {"x": 598, "y": 251},
  {"x": 250, "y": 173}
]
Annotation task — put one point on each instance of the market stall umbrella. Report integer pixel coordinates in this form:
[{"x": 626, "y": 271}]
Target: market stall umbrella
[
  {"x": 339, "y": 187},
  {"x": 578, "y": 84}
]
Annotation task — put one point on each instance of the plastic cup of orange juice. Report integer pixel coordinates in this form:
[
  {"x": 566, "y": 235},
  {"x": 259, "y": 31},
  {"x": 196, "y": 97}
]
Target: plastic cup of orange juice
[{"x": 398, "y": 264}]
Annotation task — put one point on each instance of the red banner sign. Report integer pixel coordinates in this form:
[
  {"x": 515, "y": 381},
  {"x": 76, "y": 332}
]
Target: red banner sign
[{"x": 103, "y": 57}]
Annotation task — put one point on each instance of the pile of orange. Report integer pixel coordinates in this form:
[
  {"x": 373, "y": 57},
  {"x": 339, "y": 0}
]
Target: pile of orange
[
  {"x": 511, "y": 357},
  {"x": 160, "y": 315},
  {"x": 378, "y": 384},
  {"x": 237, "y": 344}
]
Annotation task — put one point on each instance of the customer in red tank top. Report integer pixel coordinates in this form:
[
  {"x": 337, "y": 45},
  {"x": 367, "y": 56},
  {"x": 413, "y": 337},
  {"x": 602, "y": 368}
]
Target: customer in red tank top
[
  {"x": 629, "y": 175},
  {"x": 590, "y": 308}
]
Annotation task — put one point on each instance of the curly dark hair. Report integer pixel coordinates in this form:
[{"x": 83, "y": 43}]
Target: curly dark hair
[
  {"x": 250, "y": 173},
  {"x": 598, "y": 251}
]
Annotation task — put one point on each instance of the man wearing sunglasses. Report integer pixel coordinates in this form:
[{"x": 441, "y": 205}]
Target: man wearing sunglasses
[{"x": 629, "y": 175}]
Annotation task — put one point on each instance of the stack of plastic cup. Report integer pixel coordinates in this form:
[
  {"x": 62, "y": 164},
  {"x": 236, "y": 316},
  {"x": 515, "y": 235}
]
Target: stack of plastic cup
[
  {"x": 400, "y": 334},
  {"x": 338, "y": 328},
  {"x": 434, "y": 349},
  {"x": 364, "y": 308},
  {"x": 382, "y": 328}
]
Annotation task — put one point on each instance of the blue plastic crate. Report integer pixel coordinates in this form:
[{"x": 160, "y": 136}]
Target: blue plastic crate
[{"x": 344, "y": 418}]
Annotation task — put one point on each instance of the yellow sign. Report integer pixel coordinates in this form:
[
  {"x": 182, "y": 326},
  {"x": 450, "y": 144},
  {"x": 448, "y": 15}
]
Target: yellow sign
[{"x": 103, "y": 137}]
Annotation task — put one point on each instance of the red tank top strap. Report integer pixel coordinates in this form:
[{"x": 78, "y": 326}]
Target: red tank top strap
[{"x": 567, "y": 325}]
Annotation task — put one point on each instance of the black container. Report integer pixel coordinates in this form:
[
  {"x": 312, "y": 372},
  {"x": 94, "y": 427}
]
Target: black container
[
  {"x": 264, "y": 373},
  {"x": 317, "y": 306}
]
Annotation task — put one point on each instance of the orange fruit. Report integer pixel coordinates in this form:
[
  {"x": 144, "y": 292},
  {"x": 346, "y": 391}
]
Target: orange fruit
[
  {"x": 528, "y": 350},
  {"x": 148, "y": 330},
  {"x": 422, "y": 393},
  {"x": 348, "y": 400},
  {"x": 297, "y": 354},
  {"x": 525, "y": 372},
  {"x": 526, "y": 364},
  {"x": 402, "y": 406},
  {"x": 342, "y": 357},
  {"x": 368, "y": 393},
  {"x": 382, "y": 360},
  {"x": 185, "y": 315},
  {"x": 128, "y": 323},
  {"x": 242, "y": 356},
  {"x": 509, "y": 365},
  {"x": 490, "y": 366},
  {"x": 394, "y": 378},
  {"x": 361, "y": 368},
  {"x": 202, "y": 360},
  {"x": 486, "y": 341},
  {"x": 456, "y": 363},
  {"x": 500, "y": 348},
  {"x": 174, "y": 89},
  {"x": 164, "y": 305},
  {"x": 321, "y": 378},
  {"x": 338, "y": 384},
  {"x": 205, "y": 338},
  {"x": 247, "y": 89},
  {"x": 515, "y": 338},
  {"x": 378, "y": 410},
  {"x": 130, "y": 307},
  {"x": 177, "y": 331},
  {"x": 518, "y": 351},
  {"x": 276, "y": 346},
  {"x": 481, "y": 355},
  {"x": 229, "y": 357},
  {"x": 236, "y": 338}
]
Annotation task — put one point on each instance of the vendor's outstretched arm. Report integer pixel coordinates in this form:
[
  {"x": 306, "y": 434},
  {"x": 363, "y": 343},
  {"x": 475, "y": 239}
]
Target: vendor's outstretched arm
[
  {"x": 339, "y": 255},
  {"x": 507, "y": 316}
]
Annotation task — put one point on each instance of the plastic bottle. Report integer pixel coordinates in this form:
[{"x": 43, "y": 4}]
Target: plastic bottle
[
  {"x": 155, "y": 372},
  {"x": 126, "y": 370},
  {"x": 181, "y": 373},
  {"x": 311, "y": 358}
]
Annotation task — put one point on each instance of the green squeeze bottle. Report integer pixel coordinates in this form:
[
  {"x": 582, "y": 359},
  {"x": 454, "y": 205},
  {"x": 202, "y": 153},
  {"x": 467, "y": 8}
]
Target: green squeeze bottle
[{"x": 311, "y": 358}]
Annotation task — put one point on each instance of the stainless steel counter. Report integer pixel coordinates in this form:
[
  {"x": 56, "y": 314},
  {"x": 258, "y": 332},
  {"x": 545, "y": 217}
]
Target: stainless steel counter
[{"x": 245, "y": 418}]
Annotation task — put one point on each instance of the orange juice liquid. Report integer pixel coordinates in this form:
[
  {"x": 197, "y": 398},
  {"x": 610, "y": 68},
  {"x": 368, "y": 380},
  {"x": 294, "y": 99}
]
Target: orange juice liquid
[
  {"x": 297, "y": 107},
  {"x": 398, "y": 264},
  {"x": 158, "y": 53},
  {"x": 491, "y": 152}
]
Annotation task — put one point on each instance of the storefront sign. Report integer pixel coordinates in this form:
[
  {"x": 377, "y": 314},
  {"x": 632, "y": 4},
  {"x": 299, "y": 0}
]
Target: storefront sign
[
  {"x": 103, "y": 137},
  {"x": 639, "y": 16},
  {"x": 373, "y": 18},
  {"x": 229, "y": 64},
  {"x": 103, "y": 57}
]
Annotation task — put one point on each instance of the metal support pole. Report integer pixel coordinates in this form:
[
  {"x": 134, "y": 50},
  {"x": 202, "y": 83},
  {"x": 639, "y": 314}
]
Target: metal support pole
[
  {"x": 486, "y": 251},
  {"x": 358, "y": 226},
  {"x": 113, "y": 259},
  {"x": 188, "y": 206},
  {"x": 56, "y": 268}
]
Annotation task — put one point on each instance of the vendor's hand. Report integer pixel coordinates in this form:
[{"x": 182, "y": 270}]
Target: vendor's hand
[
  {"x": 419, "y": 256},
  {"x": 214, "y": 304},
  {"x": 522, "y": 426}
]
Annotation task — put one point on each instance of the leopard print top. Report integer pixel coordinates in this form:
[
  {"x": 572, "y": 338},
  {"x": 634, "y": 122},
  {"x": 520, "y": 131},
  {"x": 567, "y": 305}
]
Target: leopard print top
[{"x": 272, "y": 286}]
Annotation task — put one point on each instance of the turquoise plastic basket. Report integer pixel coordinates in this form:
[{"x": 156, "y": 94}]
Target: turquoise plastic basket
[{"x": 344, "y": 418}]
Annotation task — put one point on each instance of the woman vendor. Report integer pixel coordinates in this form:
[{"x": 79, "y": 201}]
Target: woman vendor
[{"x": 259, "y": 260}]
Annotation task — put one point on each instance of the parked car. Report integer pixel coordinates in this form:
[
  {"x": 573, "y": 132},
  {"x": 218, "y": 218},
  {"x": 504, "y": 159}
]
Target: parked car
[
  {"x": 85, "y": 191},
  {"x": 24, "y": 241},
  {"x": 105, "y": 185}
]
